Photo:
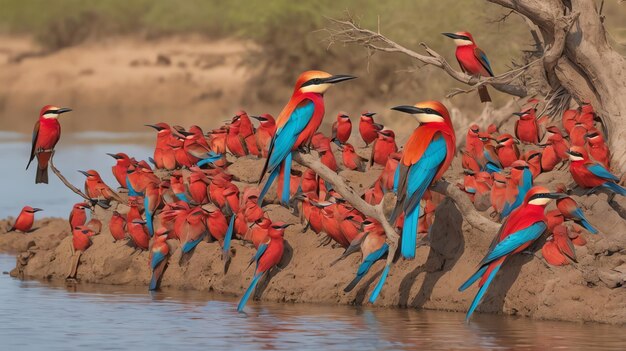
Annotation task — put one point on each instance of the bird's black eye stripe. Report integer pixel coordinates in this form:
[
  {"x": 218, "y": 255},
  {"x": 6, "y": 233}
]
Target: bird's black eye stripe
[
  {"x": 539, "y": 196},
  {"x": 430, "y": 111},
  {"x": 314, "y": 81},
  {"x": 574, "y": 153},
  {"x": 464, "y": 37},
  {"x": 51, "y": 111},
  {"x": 505, "y": 139},
  {"x": 519, "y": 167}
]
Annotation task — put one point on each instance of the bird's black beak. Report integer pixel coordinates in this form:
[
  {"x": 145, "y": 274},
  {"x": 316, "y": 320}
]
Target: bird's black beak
[
  {"x": 408, "y": 109},
  {"x": 337, "y": 78},
  {"x": 37, "y": 209},
  {"x": 258, "y": 118},
  {"x": 114, "y": 156},
  {"x": 452, "y": 36},
  {"x": 556, "y": 195},
  {"x": 184, "y": 133},
  {"x": 138, "y": 221},
  {"x": 63, "y": 110},
  {"x": 154, "y": 126},
  {"x": 518, "y": 114},
  {"x": 85, "y": 173},
  {"x": 369, "y": 114},
  {"x": 285, "y": 225}
]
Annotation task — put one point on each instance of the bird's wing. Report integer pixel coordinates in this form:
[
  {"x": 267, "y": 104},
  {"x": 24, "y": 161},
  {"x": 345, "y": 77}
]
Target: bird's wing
[
  {"x": 259, "y": 252},
  {"x": 157, "y": 257},
  {"x": 599, "y": 170},
  {"x": 484, "y": 61},
  {"x": 421, "y": 174},
  {"x": 514, "y": 241},
  {"x": 32, "y": 149},
  {"x": 288, "y": 133}
]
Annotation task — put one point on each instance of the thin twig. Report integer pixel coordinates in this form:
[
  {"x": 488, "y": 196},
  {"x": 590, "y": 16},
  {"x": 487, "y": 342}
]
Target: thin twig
[{"x": 65, "y": 181}]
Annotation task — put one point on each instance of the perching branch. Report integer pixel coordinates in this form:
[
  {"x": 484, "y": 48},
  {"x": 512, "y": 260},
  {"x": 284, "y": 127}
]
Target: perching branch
[
  {"x": 65, "y": 181},
  {"x": 348, "y": 32}
]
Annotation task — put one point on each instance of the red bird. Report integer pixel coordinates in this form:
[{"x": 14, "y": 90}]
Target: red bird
[
  {"x": 577, "y": 135},
  {"x": 328, "y": 157},
  {"x": 498, "y": 192},
  {"x": 472, "y": 60},
  {"x": 569, "y": 119},
  {"x": 383, "y": 146},
  {"x": 78, "y": 216},
  {"x": 533, "y": 158},
  {"x": 558, "y": 248},
  {"x": 473, "y": 144},
  {"x": 164, "y": 154},
  {"x": 246, "y": 131},
  {"x": 46, "y": 134},
  {"x": 95, "y": 187},
  {"x": 259, "y": 231},
  {"x": 368, "y": 129},
  {"x": 117, "y": 226},
  {"x": 526, "y": 127},
  {"x": 588, "y": 174},
  {"x": 507, "y": 150},
  {"x": 216, "y": 224},
  {"x": 122, "y": 162},
  {"x": 25, "y": 220},
  {"x": 265, "y": 132},
  {"x": 598, "y": 149},
  {"x": 586, "y": 115},
  {"x": 81, "y": 238},
  {"x": 387, "y": 177},
  {"x": 158, "y": 258},
  {"x": 235, "y": 142},
  {"x": 138, "y": 234},
  {"x": 342, "y": 128},
  {"x": 351, "y": 160}
]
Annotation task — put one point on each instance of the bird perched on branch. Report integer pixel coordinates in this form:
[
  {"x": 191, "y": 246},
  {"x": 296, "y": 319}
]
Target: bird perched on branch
[
  {"x": 296, "y": 125},
  {"x": 46, "y": 134},
  {"x": 472, "y": 60}
]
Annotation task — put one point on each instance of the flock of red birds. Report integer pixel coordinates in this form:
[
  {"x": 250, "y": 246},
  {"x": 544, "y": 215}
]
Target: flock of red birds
[{"x": 494, "y": 189}]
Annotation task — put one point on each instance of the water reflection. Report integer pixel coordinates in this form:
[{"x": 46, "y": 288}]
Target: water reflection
[
  {"x": 73, "y": 153},
  {"x": 98, "y": 317}
]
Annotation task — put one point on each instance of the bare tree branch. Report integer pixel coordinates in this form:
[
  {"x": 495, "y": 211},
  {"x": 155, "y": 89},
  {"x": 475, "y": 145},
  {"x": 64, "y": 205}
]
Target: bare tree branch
[
  {"x": 65, "y": 181},
  {"x": 348, "y": 32}
]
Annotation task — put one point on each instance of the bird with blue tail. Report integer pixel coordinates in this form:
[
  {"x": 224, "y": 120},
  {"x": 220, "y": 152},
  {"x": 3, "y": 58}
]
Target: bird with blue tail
[
  {"x": 268, "y": 255},
  {"x": 570, "y": 210},
  {"x": 158, "y": 257},
  {"x": 296, "y": 125},
  {"x": 151, "y": 202},
  {"x": 517, "y": 233},
  {"x": 373, "y": 248}
]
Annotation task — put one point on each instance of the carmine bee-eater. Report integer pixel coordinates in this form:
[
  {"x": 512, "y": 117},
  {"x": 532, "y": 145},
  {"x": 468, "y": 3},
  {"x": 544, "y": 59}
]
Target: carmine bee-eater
[
  {"x": 507, "y": 149},
  {"x": 193, "y": 229},
  {"x": 296, "y": 125},
  {"x": 158, "y": 258},
  {"x": 351, "y": 160},
  {"x": 78, "y": 216},
  {"x": 526, "y": 127},
  {"x": 522, "y": 181},
  {"x": 472, "y": 60},
  {"x": 246, "y": 130},
  {"x": 120, "y": 169},
  {"x": 342, "y": 128},
  {"x": 473, "y": 144},
  {"x": 577, "y": 135},
  {"x": 267, "y": 256},
  {"x": 569, "y": 119},
  {"x": 117, "y": 226},
  {"x": 46, "y": 134},
  {"x": 235, "y": 142},
  {"x": 26, "y": 218},
  {"x": 598, "y": 149},
  {"x": 427, "y": 155},
  {"x": 518, "y": 232},
  {"x": 81, "y": 241},
  {"x": 383, "y": 146},
  {"x": 151, "y": 202},
  {"x": 265, "y": 132},
  {"x": 368, "y": 129},
  {"x": 373, "y": 248},
  {"x": 95, "y": 187},
  {"x": 259, "y": 231},
  {"x": 164, "y": 154},
  {"x": 570, "y": 210},
  {"x": 139, "y": 234},
  {"x": 498, "y": 192},
  {"x": 533, "y": 158},
  {"x": 558, "y": 249},
  {"x": 588, "y": 174}
]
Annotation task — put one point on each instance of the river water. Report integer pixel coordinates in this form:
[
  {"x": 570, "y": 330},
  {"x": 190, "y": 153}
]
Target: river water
[{"x": 37, "y": 316}]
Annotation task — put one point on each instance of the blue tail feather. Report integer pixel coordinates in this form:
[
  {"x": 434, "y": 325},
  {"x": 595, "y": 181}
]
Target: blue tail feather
[
  {"x": 615, "y": 188},
  {"x": 153, "y": 282},
  {"x": 209, "y": 159},
  {"x": 149, "y": 218},
  {"x": 286, "y": 180},
  {"x": 246, "y": 295},
  {"x": 481, "y": 292},
  {"x": 479, "y": 273},
  {"x": 268, "y": 184},
  {"x": 409, "y": 233},
  {"x": 182, "y": 197},
  {"x": 379, "y": 285},
  {"x": 188, "y": 246},
  {"x": 131, "y": 190},
  {"x": 229, "y": 233}
]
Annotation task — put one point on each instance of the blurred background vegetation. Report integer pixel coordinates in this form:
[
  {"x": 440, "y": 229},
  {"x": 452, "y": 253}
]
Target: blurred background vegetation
[{"x": 288, "y": 37}]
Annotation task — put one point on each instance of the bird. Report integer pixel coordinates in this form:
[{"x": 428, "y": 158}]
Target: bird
[
  {"x": 151, "y": 202},
  {"x": 521, "y": 181},
  {"x": 427, "y": 155},
  {"x": 507, "y": 149},
  {"x": 598, "y": 150},
  {"x": 95, "y": 187},
  {"x": 296, "y": 124},
  {"x": 517, "y": 233},
  {"x": 120, "y": 169},
  {"x": 472, "y": 60},
  {"x": 192, "y": 230},
  {"x": 78, "y": 216},
  {"x": 164, "y": 154},
  {"x": 158, "y": 257},
  {"x": 267, "y": 256},
  {"x": 588, "y": 174},
  {"x": 81, "y": 241},
  {"x": 533, "y": 158},
  {"x": 235, "y": 140},
  {"x": 526, "y": 127},
  {"x": 569, "y": 118},
  {"x": 138, "y": 234},
  {"x": 473, "y": 144},
  {"x": 46, "y": 135},
  {"x": 342, "y": 128},
  {"x": 351, "y": 160},
  {"x": 26, "y": 218},
  {"x": 558, "y": 249},
  {"x": 498, "y": 192},
  {"x": 246, "y": 131},
  {"x": 383, "y": 146},
  {"x": 373, "y": 248},
  {"x": 368, "y": 129},
  {"x": 117, "y": 226},
  {"x": 265, "y": 132},
  {"x": 570, "y": 210}
]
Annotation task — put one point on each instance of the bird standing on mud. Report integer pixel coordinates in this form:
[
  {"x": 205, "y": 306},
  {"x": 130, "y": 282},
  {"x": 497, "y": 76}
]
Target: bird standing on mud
[
  {"x": 296, "y": 124},
  {"x": 46, "y": 134},
  {"x": 518, "y": 232},
  {"x": 472, "y": 60},
  {"x": 25, "y": 220}
]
